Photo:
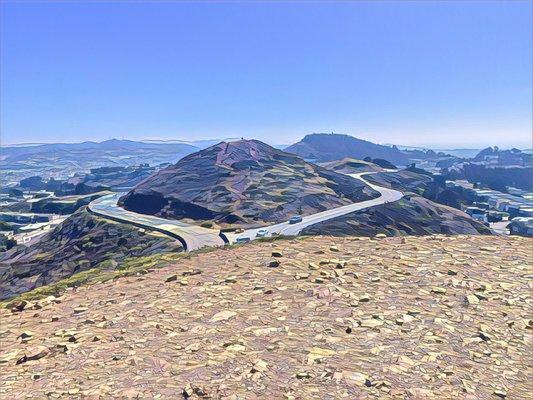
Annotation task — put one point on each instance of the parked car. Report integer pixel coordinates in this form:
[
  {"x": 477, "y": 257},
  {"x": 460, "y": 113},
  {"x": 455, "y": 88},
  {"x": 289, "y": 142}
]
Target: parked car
[
  {"x": 295, "y": 219},
  {"x": 261, "y": 233},
  {"x": 242, "y": 239}
]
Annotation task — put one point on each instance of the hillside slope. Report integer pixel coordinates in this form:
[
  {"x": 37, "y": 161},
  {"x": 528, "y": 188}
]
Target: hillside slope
[
  {"x": 83, "y": 241},
  {"x": 406, "y": 318},
  {"x": 243, "y": 182},
  {"x": 402, "y": 180},
  {"x": 351, "y": 166},
  {"x": 411, "y": 215}
]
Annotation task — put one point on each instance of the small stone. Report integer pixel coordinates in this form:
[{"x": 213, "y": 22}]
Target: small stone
[
  {"x": 259, "y": 366},
  {"x": 481, "y": 296},
  {"x": 472, "y": 299},
  {"x": 79, "y": 310},
  {"x": 371, "y": 323},
  {"x": 380, "y": 236},
  {"x": 356, "y": 378},
  {"x": 191, "y": 272},
  {"x": 365, "y": 298},
  {"x": 25, "y": 336},
  {"x": 334, "y": 248},
  {"x": 7, "y": 357},
  {"x": 438, "y": 290},
  {"x": 302, "y": 375},
  {"x": 223, "y": 316},
  {"x": 33, "y": 353},
  {"x": 313, "y": 266},
  {"x": 277, "y": 253},
  {"x": 273, "y": 263},
  {"x": 17, "y": 306},
  {"x": 237, "y": 347},
  {"x": 317, "y": 353},
  {"x": 187, "y": 391},
  {"x": 171, "y": 278}
]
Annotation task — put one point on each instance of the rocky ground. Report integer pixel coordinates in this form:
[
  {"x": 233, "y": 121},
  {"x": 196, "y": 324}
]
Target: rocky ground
[{"x": 308, "y": 318}]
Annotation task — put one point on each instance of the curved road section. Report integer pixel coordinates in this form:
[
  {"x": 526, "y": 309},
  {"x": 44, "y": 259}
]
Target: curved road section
[
  {"x": 386, "y": 196},
  {"x": 191, "y": 236},
  {"x": 194, "y": 237}
]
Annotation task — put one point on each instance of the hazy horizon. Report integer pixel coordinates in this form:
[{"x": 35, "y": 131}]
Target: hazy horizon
[
  {"x": 273, "y": 143},
  {"x": 422, "y": 74}
]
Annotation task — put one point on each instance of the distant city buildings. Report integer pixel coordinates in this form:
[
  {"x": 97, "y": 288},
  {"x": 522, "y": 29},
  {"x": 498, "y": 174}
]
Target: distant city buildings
[
  {"x": 493, "y": 206},
  {"x": 522, "y": 226}
]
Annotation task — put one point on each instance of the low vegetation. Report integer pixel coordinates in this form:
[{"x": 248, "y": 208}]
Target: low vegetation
[{"x": 82, "y": 243}]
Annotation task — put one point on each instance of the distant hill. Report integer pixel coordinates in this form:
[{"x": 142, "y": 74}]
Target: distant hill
[
  {"x": 243, "y": 182},
  {"x": 352, "y": 166},
  {"x": 64, "y": 159},
  {"x": 495, "y": 168},
  {"x": 411, "y": 215},
  {"x": 404, "y": 181},
  {"x": 323, "y": 147},
  {"x": 500, "y": 157}
]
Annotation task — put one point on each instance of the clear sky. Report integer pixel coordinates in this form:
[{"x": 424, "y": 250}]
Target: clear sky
[{"x": 444, "y": 73}]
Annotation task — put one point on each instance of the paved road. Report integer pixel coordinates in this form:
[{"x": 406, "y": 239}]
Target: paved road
[
  {"x": 386, "y": 196},
  {"x": 194, "y": 237}
]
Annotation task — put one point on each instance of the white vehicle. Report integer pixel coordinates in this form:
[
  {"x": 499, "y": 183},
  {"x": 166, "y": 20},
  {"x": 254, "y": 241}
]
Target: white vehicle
[
  {"x": 261, "y": 233},
  {"x": 242, "y": 239}
]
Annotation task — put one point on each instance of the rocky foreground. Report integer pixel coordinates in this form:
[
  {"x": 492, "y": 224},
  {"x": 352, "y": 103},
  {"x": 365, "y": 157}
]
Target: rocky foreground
[{"x": 313, "y": 318}]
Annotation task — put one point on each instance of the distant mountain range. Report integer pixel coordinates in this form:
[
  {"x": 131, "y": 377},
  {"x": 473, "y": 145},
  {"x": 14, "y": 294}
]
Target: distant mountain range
[
  {"x": 243, "y": 182},
  {"x": 20, "y": 152},
  {"x": 65, "y": 159}
]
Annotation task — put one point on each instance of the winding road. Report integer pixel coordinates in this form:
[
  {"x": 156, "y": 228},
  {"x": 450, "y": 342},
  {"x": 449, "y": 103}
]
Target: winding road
[{"x": 194, "y": 237}]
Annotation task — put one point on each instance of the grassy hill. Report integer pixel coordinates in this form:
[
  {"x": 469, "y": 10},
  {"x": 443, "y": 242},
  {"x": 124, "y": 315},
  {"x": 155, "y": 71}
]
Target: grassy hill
[{"x": 245, "y": 182}]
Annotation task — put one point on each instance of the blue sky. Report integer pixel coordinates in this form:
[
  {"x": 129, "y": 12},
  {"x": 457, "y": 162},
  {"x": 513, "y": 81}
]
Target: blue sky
[{"x": 444, "y": 74}]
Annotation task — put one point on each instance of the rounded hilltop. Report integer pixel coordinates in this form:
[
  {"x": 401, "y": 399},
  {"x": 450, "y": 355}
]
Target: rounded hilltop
[{"x": 243, "y": 182}]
